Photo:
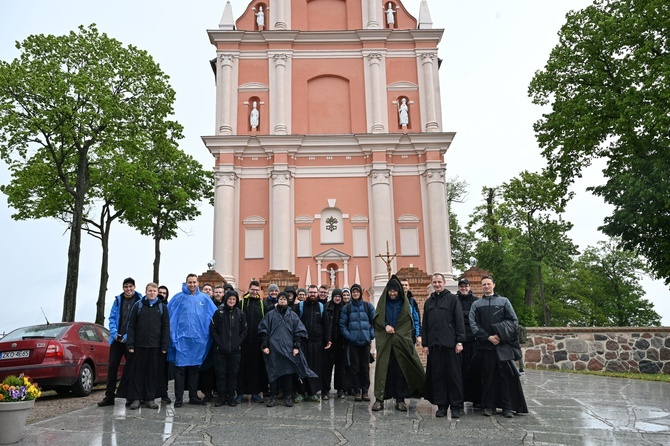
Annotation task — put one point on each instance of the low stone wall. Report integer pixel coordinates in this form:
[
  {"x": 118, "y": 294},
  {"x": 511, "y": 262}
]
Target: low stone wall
[{"x": 613, "y": 349}]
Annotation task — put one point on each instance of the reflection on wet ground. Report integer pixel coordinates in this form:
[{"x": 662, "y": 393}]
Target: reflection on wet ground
[{"x": 565, "y": 409}]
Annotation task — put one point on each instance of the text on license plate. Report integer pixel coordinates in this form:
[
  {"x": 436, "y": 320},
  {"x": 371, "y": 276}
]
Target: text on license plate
[{"x": 15, "y": 354}]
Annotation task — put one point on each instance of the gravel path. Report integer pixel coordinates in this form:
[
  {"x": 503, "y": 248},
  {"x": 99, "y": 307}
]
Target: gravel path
[{"x": 51, "y": 405}]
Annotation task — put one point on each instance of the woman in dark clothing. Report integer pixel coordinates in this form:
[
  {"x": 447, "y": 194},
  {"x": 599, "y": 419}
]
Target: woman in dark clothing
[{"x": 335, "y": 356}]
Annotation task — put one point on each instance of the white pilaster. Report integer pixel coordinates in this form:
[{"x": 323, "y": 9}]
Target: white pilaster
[
  {"x": 224, "y": 224},
  {"x": 427, "y": 93},
  {"x": 437, "y": 215},
  {"x": 345, "y": 283},
  {"x": 382, "y": 214},
  {"x": 280, "y": 222},
  {"x": 377, "y": 94},
  {"x": 279, "y": 94},
  {"x": 371, "y": 14},
  {"x": 226, "y": 94}
]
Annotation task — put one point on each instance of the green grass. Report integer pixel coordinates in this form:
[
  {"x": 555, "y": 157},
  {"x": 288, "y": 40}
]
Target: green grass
[{"x": 628, "y": 375}]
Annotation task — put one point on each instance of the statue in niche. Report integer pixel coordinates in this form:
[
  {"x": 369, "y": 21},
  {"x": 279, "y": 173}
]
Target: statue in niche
[
  {"x": 390, "y": 20},
  {"x": 260, "y": 18},
  {"x": 403, "y": 112},
  {"x": 253, "y": 117},
  {"x": 332, "y": 277}
]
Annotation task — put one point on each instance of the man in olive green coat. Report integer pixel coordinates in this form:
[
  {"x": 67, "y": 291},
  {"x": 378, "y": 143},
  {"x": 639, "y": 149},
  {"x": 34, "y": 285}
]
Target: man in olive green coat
[{"x": 399, "y": 373}]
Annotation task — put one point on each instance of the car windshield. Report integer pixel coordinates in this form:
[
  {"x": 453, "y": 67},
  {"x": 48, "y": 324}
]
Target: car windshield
[{"x": 36, "y": 331}]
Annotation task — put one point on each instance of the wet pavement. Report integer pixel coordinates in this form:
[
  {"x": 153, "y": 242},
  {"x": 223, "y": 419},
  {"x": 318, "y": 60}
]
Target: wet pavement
[{"x": 565, "y": 409}]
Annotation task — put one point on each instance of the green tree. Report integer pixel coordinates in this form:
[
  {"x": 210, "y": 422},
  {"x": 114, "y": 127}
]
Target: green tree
[
  {"x": 617, "y": 295},
  {"x": 607, "y": 84},
  {"x": 172, "y": 186},
  {"x": 69, "y": 104},
  {"x": 462, "y": 240}
]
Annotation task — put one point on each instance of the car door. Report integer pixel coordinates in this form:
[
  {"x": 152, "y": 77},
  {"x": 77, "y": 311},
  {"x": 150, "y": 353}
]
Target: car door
[{"x": 95, "y": 347}]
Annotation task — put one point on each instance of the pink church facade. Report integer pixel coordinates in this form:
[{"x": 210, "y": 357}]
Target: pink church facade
[{"x": 328, "y": 145}]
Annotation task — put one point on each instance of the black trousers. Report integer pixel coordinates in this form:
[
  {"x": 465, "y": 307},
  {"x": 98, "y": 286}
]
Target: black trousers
[
  {"x": 285, "y": 382},
  {"x": 148, "y": 377},
  {"x": 227, "y": 366},
  {"x": 180, "y": 380},
  {"x": 117, "y": 351},
  {"x": 444, "y": 383},
  {"x": 495, "y": 382},
  {"x": 334, "y": 357},
  {"x": 359, "y": 367}
]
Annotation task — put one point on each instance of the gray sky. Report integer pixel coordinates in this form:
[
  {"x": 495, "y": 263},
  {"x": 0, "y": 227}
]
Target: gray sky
[{"x": 490, "y": 50}]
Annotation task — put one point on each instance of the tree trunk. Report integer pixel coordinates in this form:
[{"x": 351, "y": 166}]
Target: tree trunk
[
  {"x": 157, "y": 259},
  {"x": 545, "y": 309},
  {"x": 105, "y": 226}
]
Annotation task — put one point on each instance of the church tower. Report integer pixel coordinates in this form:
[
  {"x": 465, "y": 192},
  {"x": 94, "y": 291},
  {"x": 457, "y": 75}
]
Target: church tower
[{"x": 329, "y": 148}]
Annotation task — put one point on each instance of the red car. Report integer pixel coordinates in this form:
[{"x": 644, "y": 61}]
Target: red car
[{"x": 65, "y": 356}]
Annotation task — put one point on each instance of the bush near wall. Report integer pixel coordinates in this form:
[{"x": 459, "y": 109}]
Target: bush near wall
[{"x": 612, "y": 349}]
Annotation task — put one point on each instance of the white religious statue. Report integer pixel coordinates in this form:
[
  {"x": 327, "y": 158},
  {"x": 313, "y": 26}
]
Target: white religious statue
[
  {"x": 253, "y": 117},
  {"x": 260, "y": 18},
  {"x": 390, "y": 20},
  {"x": 403, "y": 112},
  {"x": 332, "y": 277}
]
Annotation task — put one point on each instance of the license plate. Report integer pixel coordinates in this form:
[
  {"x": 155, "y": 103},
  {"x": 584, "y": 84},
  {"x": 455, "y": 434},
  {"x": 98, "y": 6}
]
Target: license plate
[{"x": 15, "y": 354}]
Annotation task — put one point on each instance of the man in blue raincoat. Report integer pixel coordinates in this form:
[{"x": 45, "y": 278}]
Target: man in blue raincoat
[{"x": 190, "y": 314}]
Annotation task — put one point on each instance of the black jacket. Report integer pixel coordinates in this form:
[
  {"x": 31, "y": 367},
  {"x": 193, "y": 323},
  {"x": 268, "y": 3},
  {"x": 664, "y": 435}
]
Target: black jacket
[
  {"x": 443, "y": 324},
  {"x": 466, "y": 303},
  {"x": 148, "y": 326},
  {"x": 486, "y": 312},
  {"x": 316, "y": 323},
  {"x": 228, "y": 329},
  {"x": 334, "y": 312},
  {"x": 254, "y": 311}
]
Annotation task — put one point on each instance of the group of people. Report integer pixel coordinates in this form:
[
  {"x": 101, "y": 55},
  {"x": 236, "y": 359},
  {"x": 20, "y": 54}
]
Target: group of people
[{"x": 290, "y": 344}]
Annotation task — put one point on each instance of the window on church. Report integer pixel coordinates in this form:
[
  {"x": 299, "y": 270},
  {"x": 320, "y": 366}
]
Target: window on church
[
  {"x": 304, "y": 242},
  {"x": 360, "y": 236},
  {"x": 253, "y": 243},
  {"x": 409, "y": 241}
]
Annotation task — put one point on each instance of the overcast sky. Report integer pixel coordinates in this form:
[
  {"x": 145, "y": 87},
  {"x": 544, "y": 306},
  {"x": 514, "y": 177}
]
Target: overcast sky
[{"x": 490, "y": 50}]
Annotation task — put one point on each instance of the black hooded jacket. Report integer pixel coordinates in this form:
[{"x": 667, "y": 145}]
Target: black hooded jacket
[{"x": 228, "y": 329}]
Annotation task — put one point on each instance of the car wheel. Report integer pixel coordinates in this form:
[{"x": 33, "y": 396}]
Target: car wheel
[{"x": 84, "y": 384}]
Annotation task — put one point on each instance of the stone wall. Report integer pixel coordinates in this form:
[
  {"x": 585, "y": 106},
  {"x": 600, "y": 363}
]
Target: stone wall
[{"x": 613, "y": 349}]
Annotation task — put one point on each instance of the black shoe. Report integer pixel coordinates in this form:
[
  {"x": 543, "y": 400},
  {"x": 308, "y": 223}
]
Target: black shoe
[
  {"x": 325, "y": 397},
  {"x": 340, "y": 394},
  {"x": 166, "y": 399},
  {"x": 441, "y": 411},
  {"x": 365, "y": 396},
  {"x": 487, "y": 412},
  {"x": 151, "y": 405},
  {"x": 219, "y": 403},
  {"x": 358, "y": 396},
  {"x": 106, "y": 401},
  {"x": 135, "y": 405},
  {"x": 208, "y": 397},
  {"x": 456, "y": 413},
  {"x": 232, "y": 402},
  {"x": 378, "y": 405},
  {"x": 288, "y": 402},
  {"x": 196, "y": 401},
  {"x": 508, "y": 413},
  {"x": 178, "y": 403},
  {"x": 272, "y": 402}
]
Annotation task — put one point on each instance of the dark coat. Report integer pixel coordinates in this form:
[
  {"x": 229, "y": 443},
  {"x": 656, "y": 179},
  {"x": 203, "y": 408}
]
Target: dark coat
[
  {"x": 316, "y": 322},
  {"x": 443, "y": 324},
  {"x": 254, "y": 311},
  {"x": 228, "y": 329},
  {"x": 149, "y": 327},
  {"x": 400, "y": 343},
  {"x": 466, "y": 303},
  {"x": 281, "y": 331},
  {"x": 509, "y": 348},
  {"x": 334, "y": 312}
]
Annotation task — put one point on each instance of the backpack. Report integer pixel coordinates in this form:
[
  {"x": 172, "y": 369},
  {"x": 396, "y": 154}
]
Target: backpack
[
  {"x": 139, "y": 309},
  {"x": 300, "y": 308}
]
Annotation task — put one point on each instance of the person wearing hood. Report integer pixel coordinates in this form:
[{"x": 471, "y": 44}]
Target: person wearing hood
[
  {"x": 399, "y": 373},
  {"x": 282, "y": 334},
  {"x": 118, "y": 323},
  {"x": 346, "y": 295},
  {"x": 356, "y": 326},
  {"x": 252, "y": 379},
  {"x": 500, "y": 385},
  {"x": 336, "y": 354},
  {"x": 271, "y": 300},
  {"x": 443, "y": 337},
  {"x": 148, "y": 341},
  {"x": 228, "y": 330},
  {"x": 291, "y": 293},
  {"x": 190, "y": 315}
]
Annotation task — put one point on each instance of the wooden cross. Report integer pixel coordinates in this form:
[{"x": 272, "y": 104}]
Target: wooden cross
[{"x": 387, "y": 259}]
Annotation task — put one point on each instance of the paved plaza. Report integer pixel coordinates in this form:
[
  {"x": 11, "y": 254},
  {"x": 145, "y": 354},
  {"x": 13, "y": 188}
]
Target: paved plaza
[{"x": 565, "y": 409}]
